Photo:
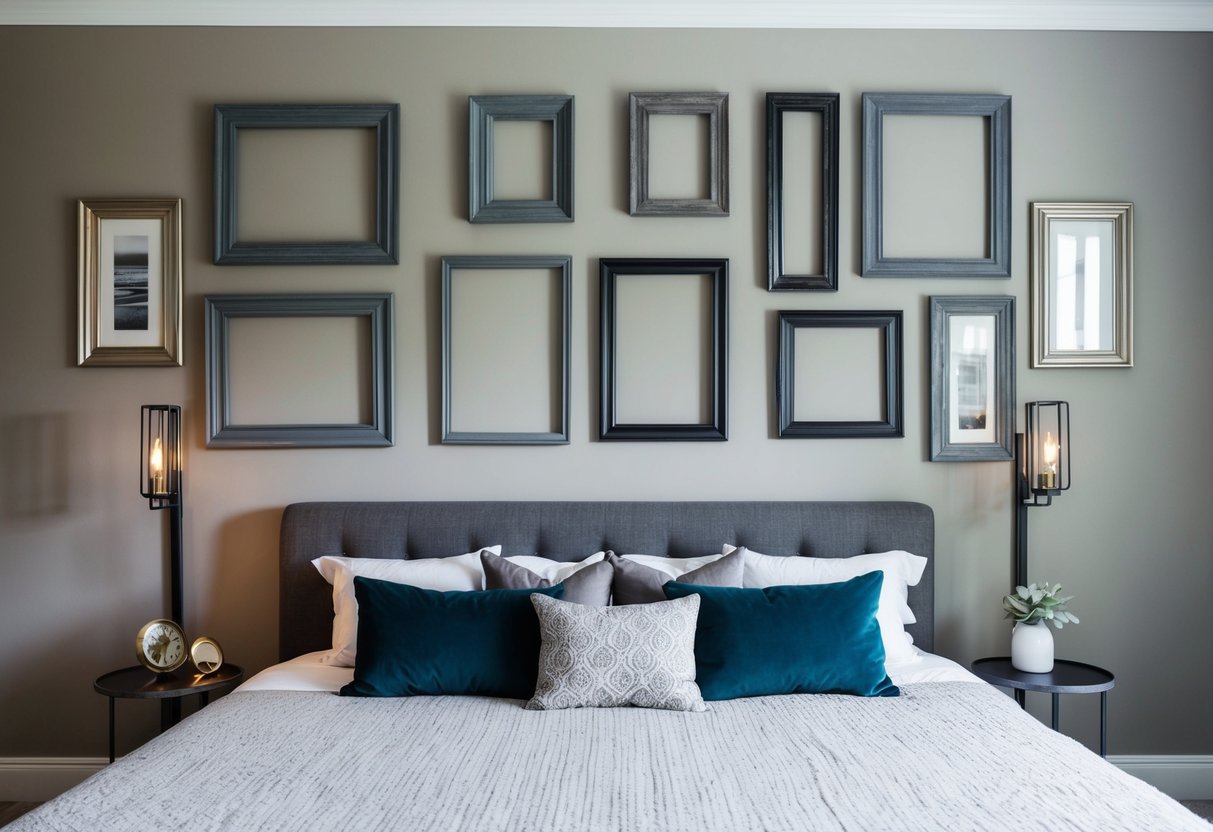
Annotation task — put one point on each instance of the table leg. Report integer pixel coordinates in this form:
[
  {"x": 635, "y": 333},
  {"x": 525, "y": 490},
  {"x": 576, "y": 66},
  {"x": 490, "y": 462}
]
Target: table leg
[
  {"x": 111, "y": 729},
  {"x": 170, "y": 713},
  {"x": 1103, "y": 723},
  {"x": 1056, "y": 721},
  {"x": 1021, "y": 698},
  {"x": 204, "y": 699}
]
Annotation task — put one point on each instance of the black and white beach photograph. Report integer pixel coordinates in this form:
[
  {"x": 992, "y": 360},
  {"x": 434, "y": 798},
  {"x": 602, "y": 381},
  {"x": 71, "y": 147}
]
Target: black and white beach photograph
[{"x": 130, "y": 281}]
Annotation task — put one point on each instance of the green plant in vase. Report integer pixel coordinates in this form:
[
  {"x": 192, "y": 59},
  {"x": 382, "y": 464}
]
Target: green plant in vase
[{"x": 1033, "y": 607}]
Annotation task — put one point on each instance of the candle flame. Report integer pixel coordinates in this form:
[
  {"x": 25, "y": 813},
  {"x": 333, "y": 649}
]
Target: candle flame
[
  {"x": 156, "y": 462},
  {"x": 1050, "y": 450}
]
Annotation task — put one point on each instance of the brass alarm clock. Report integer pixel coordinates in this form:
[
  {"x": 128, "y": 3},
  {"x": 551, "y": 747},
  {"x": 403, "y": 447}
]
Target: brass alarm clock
[
  {"x": 206, "y": 655},
  {"x": 160, "y": 645}
]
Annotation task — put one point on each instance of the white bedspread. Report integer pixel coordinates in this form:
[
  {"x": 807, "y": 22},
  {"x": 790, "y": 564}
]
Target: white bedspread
[{"x": 943, "y": 756}]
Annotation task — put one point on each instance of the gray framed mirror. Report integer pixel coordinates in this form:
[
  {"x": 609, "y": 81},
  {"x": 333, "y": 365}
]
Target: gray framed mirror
[{"x": 1082, "y": 284}]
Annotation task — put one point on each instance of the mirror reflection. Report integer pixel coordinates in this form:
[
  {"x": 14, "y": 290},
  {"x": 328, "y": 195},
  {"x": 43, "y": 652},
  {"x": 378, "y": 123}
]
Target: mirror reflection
[{"x": 1082, "y": 293}]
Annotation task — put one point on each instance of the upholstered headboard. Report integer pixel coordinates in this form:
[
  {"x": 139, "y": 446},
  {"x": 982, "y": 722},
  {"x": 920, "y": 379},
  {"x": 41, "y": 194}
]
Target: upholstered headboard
[{"x": 571, "y": 531}]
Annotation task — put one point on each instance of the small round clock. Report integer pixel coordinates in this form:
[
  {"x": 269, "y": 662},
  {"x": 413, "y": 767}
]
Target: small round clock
[
  {"x": 206, "y": 655},
  {"x": 160, "y": 646}
]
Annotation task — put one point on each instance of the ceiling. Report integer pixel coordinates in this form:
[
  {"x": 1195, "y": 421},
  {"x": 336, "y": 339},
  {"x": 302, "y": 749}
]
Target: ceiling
[{"x": 1105, "y": 15}]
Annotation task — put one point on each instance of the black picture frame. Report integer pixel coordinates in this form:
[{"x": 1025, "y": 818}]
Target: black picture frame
[
  {"x": 827, "y": 104},
  {"x": 610, "y": 428},
  {"x": 221, "y": 432},
  {"x": 996, "y": 108},
  {"x": 384, "y": 119},
  {"x": 714, "y": 105},
  {"x": 997, "y": 442},
  {"x": 483, "y": 112},
  {"x": 889, "y": 323},
  {"x": 451, "y": 264}
]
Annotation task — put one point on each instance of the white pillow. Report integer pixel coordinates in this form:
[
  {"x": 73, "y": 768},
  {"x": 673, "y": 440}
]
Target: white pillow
[
  {"x": 554, "y": 570},
  {"x": 459, "y": 573},
  {"x": 901, "y": 571},
  {"x": 675, "y": 567}
]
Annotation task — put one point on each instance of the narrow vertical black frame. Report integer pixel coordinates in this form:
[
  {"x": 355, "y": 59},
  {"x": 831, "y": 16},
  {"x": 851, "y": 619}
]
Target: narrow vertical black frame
[
  {"x": 384, "y": 119},
  {"x": 483, "y": 112},
  {"x": 610, "y": 429},
  {"x": 1002, "y": 309},
  {"x": 556, "y": 261},
  {"x": 825, "y": 103},
  {"x": 890, "y": 326},
  {"x": 997, "y": 108}
]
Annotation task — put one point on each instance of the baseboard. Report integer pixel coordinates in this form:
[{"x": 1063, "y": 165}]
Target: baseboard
[
  {"x": 37, "y": 779},
  {"x": 1182, "y": 776}
]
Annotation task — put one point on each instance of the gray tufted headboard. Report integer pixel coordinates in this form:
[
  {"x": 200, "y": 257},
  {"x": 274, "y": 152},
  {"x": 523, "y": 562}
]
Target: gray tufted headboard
[{"x": 571, "y": 531}]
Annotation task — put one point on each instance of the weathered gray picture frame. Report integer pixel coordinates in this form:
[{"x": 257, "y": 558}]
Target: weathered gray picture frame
[
  {"x": 451, "y": 264},
  {"x": 715, "y": 105},
  {"x": 991, "y": 442},
  {"x": 889, "y": 323},
  {"x": 483, "y": 112},
  {"x": 384, "y": 119},
  {"x": 610, "y": 428},
  {"x": 996, "y": 108},
  {"x": 827, "y": 105},
  {"x": 221, "y": 309}
]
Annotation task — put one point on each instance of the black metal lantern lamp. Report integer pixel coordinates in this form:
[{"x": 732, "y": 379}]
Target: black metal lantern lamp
[
  {"x": 161, "y": 483},
  {"x": 1042, "y": 469}
]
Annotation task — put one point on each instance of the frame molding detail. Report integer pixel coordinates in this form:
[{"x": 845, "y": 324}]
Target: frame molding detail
[
  {"x": 889, "y": 323},
  {"x": 383, "y": 118},
  {"x": 715, "y": 105},
  {"x": 221, "y": 433},
  {"x": 610, "y": 429},
  {"x": 483, "y": 112},
  {"x": 997, "y": 108},
  {"x": 555, "y": 261},
  {"x": 825, "y": 103}
]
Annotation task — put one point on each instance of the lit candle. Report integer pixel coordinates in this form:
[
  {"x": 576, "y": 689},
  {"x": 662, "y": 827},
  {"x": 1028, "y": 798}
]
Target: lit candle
[
  {"x": 156, "y": 466},
  {"x": 1048, "y": 477}
]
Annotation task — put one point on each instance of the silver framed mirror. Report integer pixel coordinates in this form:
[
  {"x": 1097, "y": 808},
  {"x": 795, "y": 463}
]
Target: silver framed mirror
[{"x": 1082, "y": 284}]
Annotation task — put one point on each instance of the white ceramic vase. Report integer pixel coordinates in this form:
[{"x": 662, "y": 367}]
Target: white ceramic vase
[{"x": 1032, "y": 648}]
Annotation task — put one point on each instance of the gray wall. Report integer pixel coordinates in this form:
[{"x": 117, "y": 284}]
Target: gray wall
[{"x": 97, "y": 112}]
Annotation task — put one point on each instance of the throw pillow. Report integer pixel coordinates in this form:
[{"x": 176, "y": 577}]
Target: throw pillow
[
  {"x": 636, "y": 584},
  {"x": 589, "y": 585},
  {"x": 602, "y": 657}
]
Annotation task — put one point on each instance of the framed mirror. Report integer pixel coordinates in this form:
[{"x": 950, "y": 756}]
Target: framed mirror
[{"x": 1082, "y": 284}]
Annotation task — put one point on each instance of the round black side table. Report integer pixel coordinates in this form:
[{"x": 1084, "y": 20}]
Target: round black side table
[
  {"x": 140, "y": 683},
  {"x": 1066, "y": 677}
]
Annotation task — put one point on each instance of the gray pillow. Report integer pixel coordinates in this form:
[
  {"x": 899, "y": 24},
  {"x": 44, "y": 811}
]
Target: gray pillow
[
  {"x": 603, "y": 657},
  {"x": 589, "y": 585},
  {"x": 636, "y": 584}
]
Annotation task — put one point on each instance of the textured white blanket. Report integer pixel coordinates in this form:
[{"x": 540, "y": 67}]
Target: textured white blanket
[{"x": 944, "y": 756}]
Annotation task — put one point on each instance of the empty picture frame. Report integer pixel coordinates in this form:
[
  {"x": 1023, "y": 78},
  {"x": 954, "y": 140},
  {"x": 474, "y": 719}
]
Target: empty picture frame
[
  {"x": 497, "y": 326},
  {"x": 1082, "y": 284},
  {"x": 826, "y": 106},
  {"x": 613, "y": 331},
  {"x": 384, "y": 119},
  {"x": 377, "y": 310},
  {"x": 713, "y": 105},
  {"x": 485, "y": 111},
  {"x": 996, "y": 111},
  {"x": 972, "y": 378},
  {"x": 890, "y": 422}
]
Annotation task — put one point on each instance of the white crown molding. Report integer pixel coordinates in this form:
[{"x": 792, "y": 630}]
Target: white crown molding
[{"x": 1096, "y": 15}]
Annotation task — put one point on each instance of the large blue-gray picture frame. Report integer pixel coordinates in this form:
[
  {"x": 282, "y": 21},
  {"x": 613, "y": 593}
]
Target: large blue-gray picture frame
[
  {"x": 384, "y": 119},
  {"x": 995, "y": 108},
  {"x": 221, "y": 432}
]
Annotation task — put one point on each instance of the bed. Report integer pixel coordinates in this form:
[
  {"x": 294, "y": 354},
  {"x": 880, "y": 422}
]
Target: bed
[{"x": 284, "y": 752}]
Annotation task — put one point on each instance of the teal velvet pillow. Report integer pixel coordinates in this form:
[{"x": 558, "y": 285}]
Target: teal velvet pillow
[
  {"x": 820, "y": 638},
  {"x": 419, "y": 642}
]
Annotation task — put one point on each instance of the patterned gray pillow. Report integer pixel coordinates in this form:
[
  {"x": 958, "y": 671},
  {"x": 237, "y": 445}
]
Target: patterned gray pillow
[{"x": 602, "y": 657}]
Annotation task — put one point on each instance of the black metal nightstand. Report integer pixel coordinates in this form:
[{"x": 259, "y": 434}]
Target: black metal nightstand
[
  {"x": 140, "y": 683},
  {"x": 1066, "y": 677}
]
